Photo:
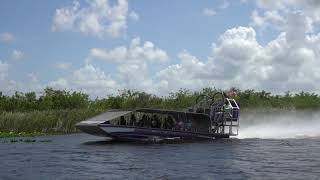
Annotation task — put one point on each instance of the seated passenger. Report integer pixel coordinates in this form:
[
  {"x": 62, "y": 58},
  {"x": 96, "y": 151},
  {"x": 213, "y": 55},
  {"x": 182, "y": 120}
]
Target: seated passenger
[
  {"x": 189, "y": 125},
  {"x": 168, "y": 123},
  {"x": 171, "y": 122},
  {"x": 180, "y": 126},
  {"x": 132, "y": 120},
  {"x": 155, "y": 122},
  {"x": 200, "y": 110},
  {"x": 146, "y": 121},
  {"x": 122, "y": 121},
  {"x": 165, "y": 124}
]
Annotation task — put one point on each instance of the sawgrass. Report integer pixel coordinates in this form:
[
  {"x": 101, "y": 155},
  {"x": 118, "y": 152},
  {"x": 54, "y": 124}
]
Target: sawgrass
[
  {"x": 57, "y": 112},
  {"x": 39, "y": 123}
]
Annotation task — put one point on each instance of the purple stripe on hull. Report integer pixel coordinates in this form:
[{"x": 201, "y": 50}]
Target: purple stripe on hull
[{"x": 137, "y": 133}]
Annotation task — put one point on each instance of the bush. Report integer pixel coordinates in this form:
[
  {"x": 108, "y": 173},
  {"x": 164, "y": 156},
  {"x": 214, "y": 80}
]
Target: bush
[{"x": 59, "y": 110}]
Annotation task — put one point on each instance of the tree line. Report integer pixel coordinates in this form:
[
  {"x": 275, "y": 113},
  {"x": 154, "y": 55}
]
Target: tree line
[{"x": 52, "y": 99}]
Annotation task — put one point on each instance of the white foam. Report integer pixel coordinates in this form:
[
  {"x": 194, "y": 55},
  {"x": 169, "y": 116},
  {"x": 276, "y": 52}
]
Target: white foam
[{"x": 279, "y": 125}]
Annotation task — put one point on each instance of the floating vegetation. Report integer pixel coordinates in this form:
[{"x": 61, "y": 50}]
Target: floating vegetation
[
  {"x": 45, "y": 140},
  {"x": 20, "y": 134},
  {"x": 28, "y": 140},
  {"x": 14, "y": 140},
  {"x": 25, "y": 140}
]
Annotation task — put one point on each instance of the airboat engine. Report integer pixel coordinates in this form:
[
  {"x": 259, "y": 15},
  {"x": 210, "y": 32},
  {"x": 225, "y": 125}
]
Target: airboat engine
[
  {"x": 224, "y": 115},
  {"x": 223, "y": 112}
]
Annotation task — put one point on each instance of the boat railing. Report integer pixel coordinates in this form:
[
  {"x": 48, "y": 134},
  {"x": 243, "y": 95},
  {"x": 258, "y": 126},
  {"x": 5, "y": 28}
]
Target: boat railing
[
  {"x": 224, "y": 117},
  {"x": 232, "y": 119}
]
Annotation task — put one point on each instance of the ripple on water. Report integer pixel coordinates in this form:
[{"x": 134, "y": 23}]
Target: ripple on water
[{"x": 80, "y": 156}]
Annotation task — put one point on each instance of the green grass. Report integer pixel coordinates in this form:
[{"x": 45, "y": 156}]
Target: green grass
[
  {"x": 39, "y": 123},
  {"x": 20, "y": 134},
  {"x": 57, "y": 112},
  {"x": 28, "y": 140}
]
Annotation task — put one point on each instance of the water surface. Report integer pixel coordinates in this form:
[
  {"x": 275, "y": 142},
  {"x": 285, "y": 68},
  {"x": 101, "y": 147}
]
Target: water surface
[{"x": 81, "y": 156}]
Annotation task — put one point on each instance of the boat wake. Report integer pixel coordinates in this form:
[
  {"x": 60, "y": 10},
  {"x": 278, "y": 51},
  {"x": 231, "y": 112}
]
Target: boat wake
[{"x": 279, "y": 124}]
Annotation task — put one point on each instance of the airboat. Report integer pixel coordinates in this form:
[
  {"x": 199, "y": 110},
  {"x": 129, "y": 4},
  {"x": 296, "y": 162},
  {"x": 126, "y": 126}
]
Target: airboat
[{"x": 211, "y": 117}]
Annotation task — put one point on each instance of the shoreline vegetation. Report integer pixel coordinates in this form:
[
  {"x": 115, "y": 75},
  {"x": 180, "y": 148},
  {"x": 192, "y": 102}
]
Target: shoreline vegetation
[{"x": 57, "y": 111}]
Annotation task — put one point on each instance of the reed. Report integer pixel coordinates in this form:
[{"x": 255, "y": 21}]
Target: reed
[
  {"x": 57, "y": 111},
  {"x": 37, "y": 123}
]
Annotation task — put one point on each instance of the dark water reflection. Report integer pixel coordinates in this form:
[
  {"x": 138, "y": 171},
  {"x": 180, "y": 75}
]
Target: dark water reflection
[{"x": 80, "y": 156}]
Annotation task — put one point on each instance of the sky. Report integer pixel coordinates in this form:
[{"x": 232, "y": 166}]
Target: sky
[{"x": 102, "y": 46}]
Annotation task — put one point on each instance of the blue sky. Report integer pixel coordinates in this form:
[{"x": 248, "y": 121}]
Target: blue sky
[{"x": 38, "y": 47}]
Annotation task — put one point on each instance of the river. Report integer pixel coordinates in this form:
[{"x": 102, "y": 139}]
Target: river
[
  {"x": 81, "y": 156},
  {"x": 271, "y": 145}
]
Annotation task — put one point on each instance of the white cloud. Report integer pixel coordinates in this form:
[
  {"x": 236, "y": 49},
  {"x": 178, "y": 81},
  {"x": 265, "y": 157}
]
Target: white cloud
[
  {"x": 285, "y": 4},
  {"x": 31, "y": 83},
  {"x": 133, "y": 63},
  {"x": 7, "y": 37},
  {"x": 273, "y": 4},
  {"x": 135, "y": 53},
  {"x": 275, "y": 13},
  {"x": 224, "y": 5},
  {"x": 17, "y": 55},
  {"x": 118, "y": 54},
  {"x": 134, "y": 16},
  {"x": 33, "y": 78},
  {"x": 99, "y": 18},
  {"x": 88, "y": 79},
  {"x": 4, "y": 68},
  {"x": 183, "y": 75},
  {"x": 226, "y": 64},
  {"x": 208, "y": 12},
  {"x": 268, "y": 19},
  {"x": 289, "y": 62},
  {"x": 63, "y": 65}
]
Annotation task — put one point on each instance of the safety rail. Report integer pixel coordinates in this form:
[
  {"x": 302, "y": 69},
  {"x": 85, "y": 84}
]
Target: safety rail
[{"x": 224, "y": 117}]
